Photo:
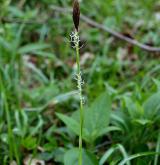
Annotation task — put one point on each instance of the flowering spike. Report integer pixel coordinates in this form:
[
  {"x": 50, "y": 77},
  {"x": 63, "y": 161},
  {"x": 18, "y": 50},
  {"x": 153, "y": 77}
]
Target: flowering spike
[{"x": 76, "y": 14}]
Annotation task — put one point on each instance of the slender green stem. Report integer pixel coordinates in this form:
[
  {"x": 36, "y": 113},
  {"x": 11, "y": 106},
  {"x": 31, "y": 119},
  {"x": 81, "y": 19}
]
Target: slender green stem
[
  {"x": 5, "y": 106},
  {"x": 12, "y": 145},
  {"x": 79, "y": 85}
]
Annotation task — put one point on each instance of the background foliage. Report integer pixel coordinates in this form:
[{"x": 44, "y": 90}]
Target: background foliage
[{"x": 38, "y": 101}]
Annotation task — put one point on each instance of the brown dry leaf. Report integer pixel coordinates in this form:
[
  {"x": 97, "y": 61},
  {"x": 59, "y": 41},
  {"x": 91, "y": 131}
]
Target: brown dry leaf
[
  {"x": 29, "y": 161},
  {"x": 85, "y": 57},
  {"x": 122, "y": 54},
  {"x": 13, "y": 163}
]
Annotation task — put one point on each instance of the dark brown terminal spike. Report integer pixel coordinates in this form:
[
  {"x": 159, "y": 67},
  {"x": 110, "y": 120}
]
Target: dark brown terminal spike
[{"x": 76, "y": 14}]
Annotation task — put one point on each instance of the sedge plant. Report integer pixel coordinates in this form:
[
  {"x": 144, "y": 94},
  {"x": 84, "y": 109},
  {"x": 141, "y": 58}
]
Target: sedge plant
[{"x": 75, "y": 40}]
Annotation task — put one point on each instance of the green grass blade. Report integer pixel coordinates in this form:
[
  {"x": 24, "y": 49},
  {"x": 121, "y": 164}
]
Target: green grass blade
[
  {"x": 107, "y": 155},
  {"x": 157, "y": 150},
  {"x": 123, "y": 162},
  {"x": 111, "y": 151}
]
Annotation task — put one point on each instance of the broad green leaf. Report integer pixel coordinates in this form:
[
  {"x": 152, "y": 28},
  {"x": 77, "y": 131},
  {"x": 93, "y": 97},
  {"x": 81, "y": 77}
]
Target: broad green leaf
[
  {"x": 142, "y": 121},
  {"x": 134, "y": 109},
  {"x": 108, "y": 129},
  {"x": 157, "y": 83},
  {"x": 72, "y": 124},
  {"x": 152, "y": 106},
  {"x": 97, "y": 116},
  {"x": 96, "y": 119},
  {"x": 131, "y": 107},
  {"x": 71, "y": 157},
  {"x": 118, "y": 118}
]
